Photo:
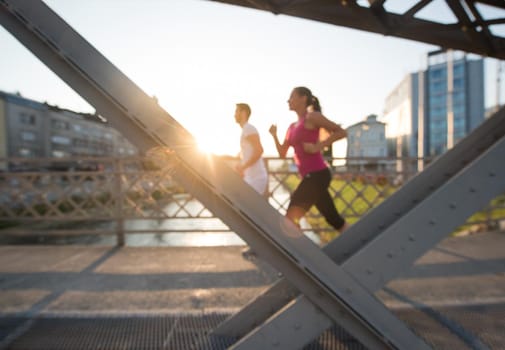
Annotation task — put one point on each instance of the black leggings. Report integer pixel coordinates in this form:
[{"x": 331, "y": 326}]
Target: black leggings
[{"x": 313, "y": 190}]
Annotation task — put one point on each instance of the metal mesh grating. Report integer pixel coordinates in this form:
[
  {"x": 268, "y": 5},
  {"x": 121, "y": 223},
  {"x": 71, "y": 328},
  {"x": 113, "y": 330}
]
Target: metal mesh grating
[
  {"x": 461, "y": 327},
  {"x": 95, "y": 333},
  {"x": 8, "y": 326},
  {"x": 135, "y": 333},
  {"x": 142, "y": 333},
  {"x": 335, "y": 338},
  {"x": 480, "y": 324}
]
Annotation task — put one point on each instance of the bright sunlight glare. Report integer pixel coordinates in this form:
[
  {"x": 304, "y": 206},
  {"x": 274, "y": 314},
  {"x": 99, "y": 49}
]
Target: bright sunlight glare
[{"x": 221, "y": 140}]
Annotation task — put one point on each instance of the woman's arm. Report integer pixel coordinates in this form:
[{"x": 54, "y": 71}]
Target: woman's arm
[
  {"x": 336, "y": 132},
  {"x": 282, "y": 149}
]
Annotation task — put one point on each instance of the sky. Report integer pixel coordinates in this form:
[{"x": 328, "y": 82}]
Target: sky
[{"x": 199, "y": 58}]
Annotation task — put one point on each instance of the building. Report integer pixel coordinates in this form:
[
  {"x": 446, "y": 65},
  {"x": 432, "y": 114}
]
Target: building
[
  {"x": 365, "y": 140},
  {"x": 401, "y": 118},
  {"x": 30, "y": 129},
  {"x": 455, "y": 99},
  {"x": 433, "y": 109}
]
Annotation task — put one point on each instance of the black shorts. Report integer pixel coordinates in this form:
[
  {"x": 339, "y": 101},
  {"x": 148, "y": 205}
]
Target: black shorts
[
  {"x": 313, "y": 186},
  {"x": 313, "y": 190}
]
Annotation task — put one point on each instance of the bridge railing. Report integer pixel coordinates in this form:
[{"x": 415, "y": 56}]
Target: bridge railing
[{"x": 119, "y": 196}]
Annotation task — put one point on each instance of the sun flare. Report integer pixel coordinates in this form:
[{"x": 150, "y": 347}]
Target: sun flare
[{"x": 218, "y": 144}]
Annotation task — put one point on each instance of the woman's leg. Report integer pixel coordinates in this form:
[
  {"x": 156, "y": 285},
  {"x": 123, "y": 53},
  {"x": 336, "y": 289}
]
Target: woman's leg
[
  {"x": 295, "y": 213},
  {"x": 326, "y": 207},
  {"x": 324, "y": 202},
  {"x": 302, "y": 199}
]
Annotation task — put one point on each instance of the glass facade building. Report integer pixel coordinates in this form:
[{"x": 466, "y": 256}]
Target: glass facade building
[
  {"x": 455, "y": 99},
  {"x": 432, "y": 110}
]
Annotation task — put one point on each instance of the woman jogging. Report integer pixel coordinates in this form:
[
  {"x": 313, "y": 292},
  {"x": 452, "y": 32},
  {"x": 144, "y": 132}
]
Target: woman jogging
[{"x": 303, "y": 136}]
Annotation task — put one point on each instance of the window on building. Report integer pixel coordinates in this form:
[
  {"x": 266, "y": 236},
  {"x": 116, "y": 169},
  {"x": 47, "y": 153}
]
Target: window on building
[
  {"x": 59, "y": 124},
  {"x": 27, "y": 119},
  {"x": 439, "y": 87},
  {"x": 438, "y": 100},
  {"x": 459, "y": 70},
  {"x": 459, "y": 98},
  {"x": 436, "y": 74},
  {"x": 80, "y": 142},
  {"x": 58, "y": 153},
  {"x": 27, "y": 136},
  {"x": 459, "y": 84},
  {"x": 25, "y": 152},
  {"x": 459, "y": 109},
  {"x": 60, "y": 140}
]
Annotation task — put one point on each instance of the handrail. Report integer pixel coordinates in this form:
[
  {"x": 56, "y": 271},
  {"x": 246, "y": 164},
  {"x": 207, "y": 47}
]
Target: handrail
[{"x": 119, "y": 196}]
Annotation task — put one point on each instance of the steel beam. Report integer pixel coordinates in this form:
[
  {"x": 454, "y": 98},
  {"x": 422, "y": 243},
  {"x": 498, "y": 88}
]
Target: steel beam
[
  {"x": 479, "y": 39},
  {"x": 370, "y": 226},
  {"x": 210, "y": 180},
  {"x": 356, "y": 310},
  {"x": 376, "y": 19},
  {"x": 394, "y": 251}
]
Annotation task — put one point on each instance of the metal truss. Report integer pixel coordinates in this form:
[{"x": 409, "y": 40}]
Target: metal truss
[
  {"x": 335, "y": 284},
  {"x": 472, "y": 31},
  {"x": 387, "y": 240}
]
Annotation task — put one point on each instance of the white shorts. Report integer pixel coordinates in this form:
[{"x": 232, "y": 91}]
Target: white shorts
[{"x": 259, "y": 184}]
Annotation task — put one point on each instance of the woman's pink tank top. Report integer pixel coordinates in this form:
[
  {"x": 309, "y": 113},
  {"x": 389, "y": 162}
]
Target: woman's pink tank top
[{"x": 296, "y": 136}]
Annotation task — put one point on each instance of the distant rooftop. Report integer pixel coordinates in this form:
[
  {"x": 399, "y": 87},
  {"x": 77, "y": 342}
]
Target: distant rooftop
[
  {"x": 371, "y": 119},
  {"x": 17, "y": 98}
]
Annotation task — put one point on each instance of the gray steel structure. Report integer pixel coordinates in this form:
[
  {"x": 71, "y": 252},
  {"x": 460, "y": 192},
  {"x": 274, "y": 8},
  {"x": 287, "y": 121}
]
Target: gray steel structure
[
  {"x": 334, "y": 285},
  {"x": 471, "y": 33}
]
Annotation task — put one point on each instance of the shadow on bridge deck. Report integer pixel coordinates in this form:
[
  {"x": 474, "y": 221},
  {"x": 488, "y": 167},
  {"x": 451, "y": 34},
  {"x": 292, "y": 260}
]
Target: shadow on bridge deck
[{"x": 88, "y": 297}]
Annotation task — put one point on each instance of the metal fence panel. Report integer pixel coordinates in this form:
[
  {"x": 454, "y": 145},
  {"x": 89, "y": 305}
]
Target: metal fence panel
[{"x": 118, "y": 196}]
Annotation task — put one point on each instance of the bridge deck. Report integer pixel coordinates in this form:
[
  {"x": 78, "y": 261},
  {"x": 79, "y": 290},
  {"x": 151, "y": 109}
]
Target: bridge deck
[{"x": 89, "y": 297}]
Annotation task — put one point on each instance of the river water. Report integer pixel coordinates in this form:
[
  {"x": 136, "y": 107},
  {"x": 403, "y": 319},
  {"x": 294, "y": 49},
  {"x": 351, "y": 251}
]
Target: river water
[
  {"x": 176, "y": 232},
  {"x": 197, "y": 231},
  {"x": 198, "y": 237}
]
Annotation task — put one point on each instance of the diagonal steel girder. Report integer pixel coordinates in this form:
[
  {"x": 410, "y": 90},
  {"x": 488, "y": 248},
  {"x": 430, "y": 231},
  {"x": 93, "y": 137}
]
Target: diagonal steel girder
[
  {"x": 375, "y": 222},
  {"x": 471, "y": 33},
  {"x": 389, "y": 253},
  {"x": 218, "y": 187}
]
